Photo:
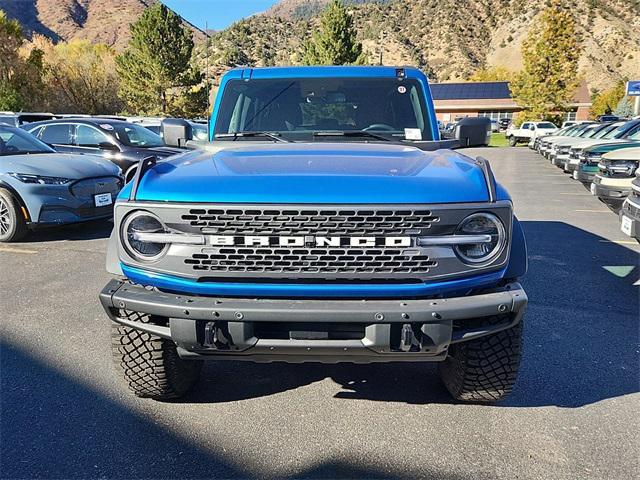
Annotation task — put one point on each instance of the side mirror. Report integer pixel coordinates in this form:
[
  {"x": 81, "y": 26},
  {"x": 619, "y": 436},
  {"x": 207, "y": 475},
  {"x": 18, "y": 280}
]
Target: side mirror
[
  {"x": 176, "y": 132},
  {"x": 473, "y": 132},
  {"x": 532, "y": 127},
  {"x": 108, "y": 146}
]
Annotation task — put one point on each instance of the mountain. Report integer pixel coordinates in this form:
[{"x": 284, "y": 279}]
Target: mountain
[
  {"x": 299, "y": 9},
  {"x": 105, "y": 21},
  {"x": 448, "y": 41}
]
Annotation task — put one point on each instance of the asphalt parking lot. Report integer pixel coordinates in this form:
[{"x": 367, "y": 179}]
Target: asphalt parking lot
[{"x": 574, "y": 413}]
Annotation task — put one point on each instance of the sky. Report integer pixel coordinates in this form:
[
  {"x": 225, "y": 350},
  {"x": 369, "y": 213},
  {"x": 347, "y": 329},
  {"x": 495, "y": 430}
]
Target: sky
[{"x": 218, "y": 13}]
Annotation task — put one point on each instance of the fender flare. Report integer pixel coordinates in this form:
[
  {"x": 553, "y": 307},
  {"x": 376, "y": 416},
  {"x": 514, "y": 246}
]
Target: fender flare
[{"x": 518, "y": 259}]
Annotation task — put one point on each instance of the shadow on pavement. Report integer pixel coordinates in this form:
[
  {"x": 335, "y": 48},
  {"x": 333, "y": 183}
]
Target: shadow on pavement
[
  {"x": 52, "y": 426},
  {"x": 92, "y": 230},
  {"x": 581, "y": 337}
]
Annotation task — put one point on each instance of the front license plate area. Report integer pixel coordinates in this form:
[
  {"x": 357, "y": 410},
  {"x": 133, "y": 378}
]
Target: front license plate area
[
  {"x": 308, "y": 335},
  {"x": 103, "y": 199},
  {"x": 626, "y": 225}
]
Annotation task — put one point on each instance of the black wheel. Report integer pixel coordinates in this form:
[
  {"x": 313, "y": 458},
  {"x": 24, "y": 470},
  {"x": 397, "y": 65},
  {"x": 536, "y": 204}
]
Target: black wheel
[
  {"x": 484, "y": 370},
  {"x": 513, "y": 141},
  {"x": 151, "y": 365},
  {"x": 12, "y": 223}
]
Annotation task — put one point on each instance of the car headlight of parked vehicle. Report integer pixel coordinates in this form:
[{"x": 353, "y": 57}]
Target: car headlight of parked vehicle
[
  {"x": 40, "y": 179},
  {"x": 138, "y": 232},
  {"x": 491, "y": 238}
]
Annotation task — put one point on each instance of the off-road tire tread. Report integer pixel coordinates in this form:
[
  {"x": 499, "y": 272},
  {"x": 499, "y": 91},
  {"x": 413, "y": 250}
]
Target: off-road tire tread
[
  {"x": 484, "y": 370},
  {"x": 150, "y": 365},
  {"x": 20, "y": 225}
]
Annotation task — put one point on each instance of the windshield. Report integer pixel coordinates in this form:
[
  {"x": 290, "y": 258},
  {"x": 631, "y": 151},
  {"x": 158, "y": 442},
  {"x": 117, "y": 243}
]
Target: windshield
[
  {"x": 611, "y": 131},
  {"x": 296, "y": 109},
  {"x": 14, "y": 141},
  {"x": 579, "y": 130},
  {"x": 136, "y": 136},
  {"x": 635, "y": 135}
]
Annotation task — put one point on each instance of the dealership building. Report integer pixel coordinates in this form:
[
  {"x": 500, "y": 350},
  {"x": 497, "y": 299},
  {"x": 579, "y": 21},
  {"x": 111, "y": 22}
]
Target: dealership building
[{"x": 493, "y": 100}]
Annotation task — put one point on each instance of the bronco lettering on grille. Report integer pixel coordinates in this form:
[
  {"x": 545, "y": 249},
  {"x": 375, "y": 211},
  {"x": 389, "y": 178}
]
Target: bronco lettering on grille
[{"x": 265, "y": 241}]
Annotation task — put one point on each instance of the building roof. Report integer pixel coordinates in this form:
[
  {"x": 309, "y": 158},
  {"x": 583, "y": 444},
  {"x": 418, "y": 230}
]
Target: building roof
[
  {"x": 492, "y": 91},
  {"x": 470, "y": 90}
]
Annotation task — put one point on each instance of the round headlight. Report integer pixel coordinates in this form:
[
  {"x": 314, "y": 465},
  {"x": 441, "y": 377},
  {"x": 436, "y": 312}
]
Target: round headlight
[
  {"x": 487, "y": 225},
  {"x": 142, "y": 222}
]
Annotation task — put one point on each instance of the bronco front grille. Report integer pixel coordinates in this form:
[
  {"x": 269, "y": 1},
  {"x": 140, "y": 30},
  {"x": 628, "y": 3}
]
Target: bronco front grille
[
  {"x": 369, "y": 243},
  {"x": 234, "y": 221},
  {"x": 313, "y": 260}
]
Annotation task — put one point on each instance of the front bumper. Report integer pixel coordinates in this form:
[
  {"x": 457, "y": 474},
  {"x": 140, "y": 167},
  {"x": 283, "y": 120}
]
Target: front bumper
[
  {"x": 310, "y": 330},
  {"x": 65, "y": 204},
  {"x": 612, "y": 191},
  {"x": 585, "y": 174},
  {"x": 558, "y": 159},
  {"x": 631, "y": 210}
]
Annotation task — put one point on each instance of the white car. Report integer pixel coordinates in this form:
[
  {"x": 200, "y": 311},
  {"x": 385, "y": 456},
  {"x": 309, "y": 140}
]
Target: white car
[
  {"x": 528, "y": 131},
  {"x": 545, "y": 144}
]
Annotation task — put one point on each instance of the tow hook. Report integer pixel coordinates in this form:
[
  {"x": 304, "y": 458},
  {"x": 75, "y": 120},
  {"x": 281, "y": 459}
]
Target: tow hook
[
  {"x": 216, "y": 335},
  {"x": 408, "y": 339}
]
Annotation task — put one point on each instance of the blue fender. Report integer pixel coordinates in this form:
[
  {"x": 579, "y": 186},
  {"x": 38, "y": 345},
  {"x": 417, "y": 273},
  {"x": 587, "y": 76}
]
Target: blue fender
[{"x": 518, "y": 260}]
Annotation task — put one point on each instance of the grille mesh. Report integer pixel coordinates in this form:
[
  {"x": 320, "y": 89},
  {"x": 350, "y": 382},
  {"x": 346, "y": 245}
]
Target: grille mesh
[
  {"x": 88, "y": 187},
  {"x": 312, "y": 260},
  {"x": 311, "y": 222}
]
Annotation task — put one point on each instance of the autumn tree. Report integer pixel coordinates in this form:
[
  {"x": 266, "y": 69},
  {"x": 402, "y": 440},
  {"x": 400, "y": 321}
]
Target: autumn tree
[
  {"x": 604, "y": 103},
  {"x": 20, "y": 71},
  {"x": 493, "y": 74},
  {"x": 335, "y": 43},
  {"x": 550, "y": 54},
  {"x": 81, "y": 77},
  {"x": 156, "y": 72}
]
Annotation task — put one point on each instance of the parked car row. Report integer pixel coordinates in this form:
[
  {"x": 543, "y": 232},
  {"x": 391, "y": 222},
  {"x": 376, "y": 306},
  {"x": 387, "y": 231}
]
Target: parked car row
[
  {"x": 40, "y": 186},
  {"x": 60, "y": 169},
  {"x": 605, "y": 157}
]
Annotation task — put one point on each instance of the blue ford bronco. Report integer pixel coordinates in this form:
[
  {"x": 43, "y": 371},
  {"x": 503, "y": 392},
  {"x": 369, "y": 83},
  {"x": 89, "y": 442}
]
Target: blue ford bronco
[{"x": 324, "y": 221}]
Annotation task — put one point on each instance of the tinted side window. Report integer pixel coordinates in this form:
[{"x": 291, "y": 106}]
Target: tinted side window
[
  {"x": 89, "y": 136},
  {"x": 57, "y": 134},
  {"x": 525, "y": 126},
  {"x": 36, "y": 132}
]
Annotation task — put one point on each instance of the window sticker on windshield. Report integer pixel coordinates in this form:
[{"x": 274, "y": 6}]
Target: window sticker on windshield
[
  {"x": 402, "y": 89},
  {"x": 106, "y": 126},
  {"x": 413, "y": 134}
]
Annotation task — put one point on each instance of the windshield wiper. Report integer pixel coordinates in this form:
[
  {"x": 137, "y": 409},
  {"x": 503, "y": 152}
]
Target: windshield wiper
[
  {"x": 234, "y": 136},
  {"x": 351, "y": 133}
]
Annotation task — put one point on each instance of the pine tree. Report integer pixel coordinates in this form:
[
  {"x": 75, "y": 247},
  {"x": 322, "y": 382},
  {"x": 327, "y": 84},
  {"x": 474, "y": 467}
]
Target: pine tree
[
  {"x": 624, "y": 108},
  {"x": 155, "y": 70},
  {"x": 550, "y": 54},
  {"x": 335, "y": 43}
]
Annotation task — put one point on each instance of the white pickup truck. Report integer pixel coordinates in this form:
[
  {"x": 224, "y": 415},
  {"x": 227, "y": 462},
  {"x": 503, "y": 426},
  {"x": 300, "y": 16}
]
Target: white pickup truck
[{"x": 529, "y": 131}]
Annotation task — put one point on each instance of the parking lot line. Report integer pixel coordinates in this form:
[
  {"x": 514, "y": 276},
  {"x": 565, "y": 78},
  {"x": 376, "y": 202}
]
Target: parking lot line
[
  {"x": 17, "y": 250},
  {"x": 620, "y": 242}
]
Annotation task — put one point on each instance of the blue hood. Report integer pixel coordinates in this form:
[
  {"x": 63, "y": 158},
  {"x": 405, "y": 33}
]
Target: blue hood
[{"x": 315, "y": 173}]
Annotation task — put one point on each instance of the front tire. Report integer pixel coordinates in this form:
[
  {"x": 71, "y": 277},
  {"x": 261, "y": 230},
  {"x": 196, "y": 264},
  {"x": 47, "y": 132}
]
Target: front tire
[
  {"x": 150, "y": 365},
  {"x": 13, "y": 226},
  {"x": 484, "y": 370},
  {"x": 513, "y": 141}
]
